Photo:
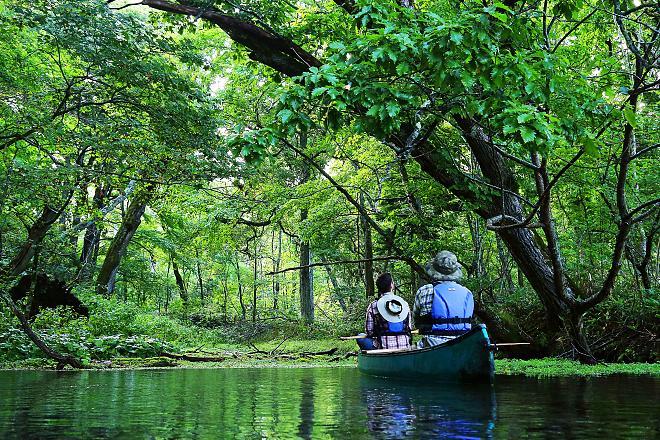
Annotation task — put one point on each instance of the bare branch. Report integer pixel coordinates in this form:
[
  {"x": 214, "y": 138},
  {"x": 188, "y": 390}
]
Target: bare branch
[
  {"x": 571, "y": 30},
  {"x": 330, "y": 263},
  {"x": 128, "y": 5},
  {"x": 643, "y": 151},
  {"x": 626, "y": 35},
  {"x": 651, "y": 203}
]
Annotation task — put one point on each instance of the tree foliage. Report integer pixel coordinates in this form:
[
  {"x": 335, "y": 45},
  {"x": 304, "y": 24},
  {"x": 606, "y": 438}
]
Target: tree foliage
[{"x": 178, "y": 155}]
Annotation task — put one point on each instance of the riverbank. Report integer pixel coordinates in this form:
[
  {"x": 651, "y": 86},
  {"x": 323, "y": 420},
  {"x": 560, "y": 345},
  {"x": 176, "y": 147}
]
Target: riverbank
[{"x": 260, "y": 358}]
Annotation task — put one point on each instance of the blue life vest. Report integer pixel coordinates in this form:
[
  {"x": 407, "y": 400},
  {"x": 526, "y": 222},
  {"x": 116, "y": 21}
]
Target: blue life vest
[
  {"x": 395, "y": 328},
  {"x": 451, "y": 311}
]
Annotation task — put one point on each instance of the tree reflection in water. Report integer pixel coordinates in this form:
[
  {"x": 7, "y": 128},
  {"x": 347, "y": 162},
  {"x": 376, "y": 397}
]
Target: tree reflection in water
[{"x": 325, "y": 403}]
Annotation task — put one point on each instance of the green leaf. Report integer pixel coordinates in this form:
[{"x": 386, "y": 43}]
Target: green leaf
[
  {"x": 590, "y": 145},
  {"x": 527, "y": 134},
  {"x": 318, "y": 91},
  {"x": 393, "y": 109},
  {"x": 508, "y": 129},
  {"x": 337, "y": 45},
  {"x": 373, "y": 111},
  {"x": 630, "y": 116},
  {"x": 456, "y": 38},
  {"x": 525, "y": 117},
  {"x": 402, "y": 68},
  {"x": 285, "y": 115},
  {"x": 467, "y": 79},
  {"x": 377, "y": 53}
]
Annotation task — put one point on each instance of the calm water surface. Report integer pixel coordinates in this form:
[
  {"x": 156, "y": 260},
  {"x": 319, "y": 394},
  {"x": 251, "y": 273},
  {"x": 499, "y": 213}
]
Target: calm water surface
[{"x": 318, "y": 403}]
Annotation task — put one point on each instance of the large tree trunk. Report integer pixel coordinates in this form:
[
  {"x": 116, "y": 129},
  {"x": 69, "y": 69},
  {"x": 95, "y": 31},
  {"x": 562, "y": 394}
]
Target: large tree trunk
[
  {"x": 36, "y": 234},
  {"x": 254, "y": 282},
  {"x": 199, "y": 277},
  {"x": 90, "y": 251},
  {"x": 306, "y": 279},
  {"x": 276, "y": 278},
  {"x": 240, "y": 289},
  {"x": 368, "y": 254},
  {"x": 556, "y": 296},
  {"x": 92, "y": 239},
  {"x": 521, "y": 242},
  {"x": 119, "y": 245},
  {"x": 180, "y": 283}
]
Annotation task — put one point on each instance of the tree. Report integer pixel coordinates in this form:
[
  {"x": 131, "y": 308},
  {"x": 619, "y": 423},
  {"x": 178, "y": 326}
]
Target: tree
[
  {"x": 507, "y": 87},
  {"x": 87, "y": 96}
]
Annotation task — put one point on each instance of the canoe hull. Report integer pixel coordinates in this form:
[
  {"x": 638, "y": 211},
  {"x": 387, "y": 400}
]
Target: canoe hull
[{"x": 466, "y": 358}]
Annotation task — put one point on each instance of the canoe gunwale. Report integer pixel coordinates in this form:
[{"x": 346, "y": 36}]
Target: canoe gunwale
[{"x": 457, "y": 340}]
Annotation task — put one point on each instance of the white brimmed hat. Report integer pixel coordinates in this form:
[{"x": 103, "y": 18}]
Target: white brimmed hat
[{"x": 393, "y": 308}]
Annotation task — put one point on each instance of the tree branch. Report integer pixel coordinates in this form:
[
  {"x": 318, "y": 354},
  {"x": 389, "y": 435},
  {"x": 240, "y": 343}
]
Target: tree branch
[
  {"x": 330, "y": 263},
  {"x": 265, "y": 46},
  {"x": 108, "y": 208},
  {"x": 644, "y": 151},
  {"x": 387, "y": 236},
  {"x": 36, "y": 339}
]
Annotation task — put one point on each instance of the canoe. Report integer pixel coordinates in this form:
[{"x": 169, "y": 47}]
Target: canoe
[{"x": 466, "y": 358}]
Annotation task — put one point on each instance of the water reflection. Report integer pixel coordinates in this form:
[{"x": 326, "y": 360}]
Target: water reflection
[
  {"x": 306, "y": 406},
  {"x": 317, "y": 403},
  {"x": 398, "y": 409}
]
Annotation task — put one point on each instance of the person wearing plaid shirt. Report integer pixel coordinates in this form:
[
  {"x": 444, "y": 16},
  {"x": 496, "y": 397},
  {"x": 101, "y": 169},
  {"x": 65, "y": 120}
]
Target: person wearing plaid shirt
[
  {"x": 444, "y": 268},
  {"x": 377, "y": 327}
]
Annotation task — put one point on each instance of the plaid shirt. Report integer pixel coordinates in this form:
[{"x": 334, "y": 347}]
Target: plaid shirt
[
  {"x": 423, "y": 302},
  {"x": 424, "y": 305},
  {"x": 375, "y": 324}
]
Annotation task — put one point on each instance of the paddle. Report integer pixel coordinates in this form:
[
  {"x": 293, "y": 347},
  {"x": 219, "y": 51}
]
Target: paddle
[
  {"x": 390, "y": 350},
  {"x": 495, "y": 346},
  {"x": 505, "y": 344},
  {"x": 344, "y": 338}
]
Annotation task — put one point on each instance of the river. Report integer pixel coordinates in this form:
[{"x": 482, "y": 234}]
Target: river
[{"x": 318, "y": 403}]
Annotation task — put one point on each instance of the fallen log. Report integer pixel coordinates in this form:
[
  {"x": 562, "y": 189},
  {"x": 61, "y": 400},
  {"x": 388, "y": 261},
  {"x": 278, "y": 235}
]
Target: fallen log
[
  {"x": 346, "y": 356},
  {"x": 185, "y": 357},
  {"x": 318, "y": 353}
]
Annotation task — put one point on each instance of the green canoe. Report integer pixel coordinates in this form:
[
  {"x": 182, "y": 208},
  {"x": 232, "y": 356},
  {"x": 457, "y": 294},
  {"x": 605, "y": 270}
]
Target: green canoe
[{"x": 465, "y": 358}]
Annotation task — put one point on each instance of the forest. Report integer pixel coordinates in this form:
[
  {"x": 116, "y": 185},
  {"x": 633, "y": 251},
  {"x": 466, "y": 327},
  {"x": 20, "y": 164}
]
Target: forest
[{"x": 185, "y": 173}]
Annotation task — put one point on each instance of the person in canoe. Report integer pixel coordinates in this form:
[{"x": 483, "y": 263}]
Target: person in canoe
[
  {"x": 443, "y": 309},
  {"x": 388, "y": 319}
]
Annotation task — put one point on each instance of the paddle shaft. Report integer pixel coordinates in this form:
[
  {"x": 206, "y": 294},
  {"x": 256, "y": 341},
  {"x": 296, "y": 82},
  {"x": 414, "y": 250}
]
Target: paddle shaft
[
  {"x": 344, "y": 338},
  {"x": 507, "y": 344},
  {"x": 389, "y": 350}
]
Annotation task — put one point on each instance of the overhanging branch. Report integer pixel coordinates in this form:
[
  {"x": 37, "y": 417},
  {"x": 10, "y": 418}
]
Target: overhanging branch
[
  {"x": 330, "y": 263},
  {"x": 265, "y": 46}
]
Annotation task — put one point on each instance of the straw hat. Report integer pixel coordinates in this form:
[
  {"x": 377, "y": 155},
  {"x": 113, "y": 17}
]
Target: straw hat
[
  {"x": 444, "y": 267},
  {"x": 393, "y": 308}
]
